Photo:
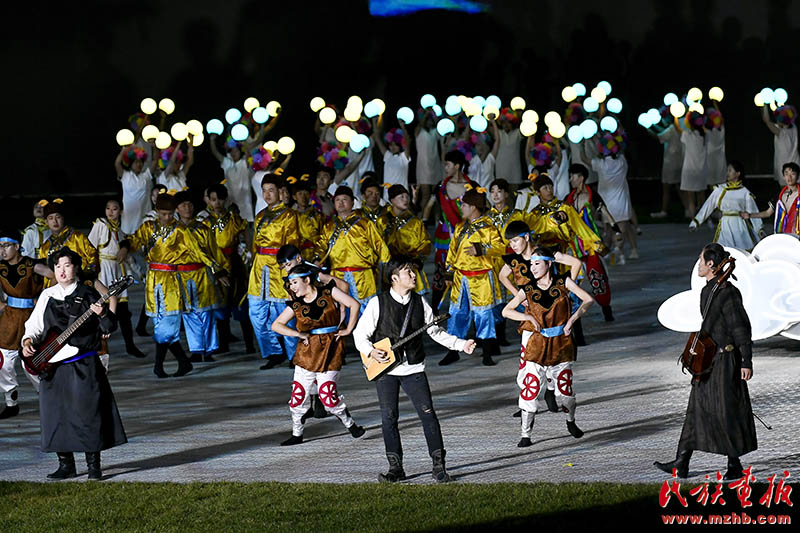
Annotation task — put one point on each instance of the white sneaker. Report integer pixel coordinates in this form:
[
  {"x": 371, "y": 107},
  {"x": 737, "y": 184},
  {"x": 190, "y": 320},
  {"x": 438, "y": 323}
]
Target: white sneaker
[
  {"x": 660, "y": 214},
  {"x": 619, "y": 256},
  {"x": 634, "y": 254}
]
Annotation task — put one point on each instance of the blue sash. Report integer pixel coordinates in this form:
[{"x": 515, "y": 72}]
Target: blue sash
[
  {"x": 323, "y": 331},
  {"x": 555, "y": 331},
  {"x": 20, "y": 303},
  {"x": 79, "y": 357}
]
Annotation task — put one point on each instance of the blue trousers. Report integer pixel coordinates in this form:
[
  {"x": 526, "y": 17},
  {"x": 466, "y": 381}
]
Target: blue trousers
[
  {"x": 201, "y": 331},
  {"x": 167, "y": 328},
  {"x": 262, "y": 314},
  {"x": 462, "y": 314}
]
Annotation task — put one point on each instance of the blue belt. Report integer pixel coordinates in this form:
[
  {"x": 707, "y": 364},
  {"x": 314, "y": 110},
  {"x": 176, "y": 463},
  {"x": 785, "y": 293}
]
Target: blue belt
[
  {"x": 323, "y": 331},
  {"x": 20, "y": 303},
  {"x": 555, "y": 331},
  {"x": 79, "y": 357}
]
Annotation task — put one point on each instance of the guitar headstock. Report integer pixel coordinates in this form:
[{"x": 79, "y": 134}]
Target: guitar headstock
[
  {"x": 119, "y": 285},
  {"x": 441, "y": 318}
]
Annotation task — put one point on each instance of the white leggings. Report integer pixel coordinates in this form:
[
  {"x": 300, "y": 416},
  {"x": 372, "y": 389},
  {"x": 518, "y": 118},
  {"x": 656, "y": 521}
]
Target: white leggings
[
  {"x": 8, "y": 376},
  {"x": 325, "y": 382}
]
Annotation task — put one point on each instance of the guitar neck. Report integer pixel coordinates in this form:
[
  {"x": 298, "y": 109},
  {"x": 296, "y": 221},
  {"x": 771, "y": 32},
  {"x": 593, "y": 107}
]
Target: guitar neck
[
  {"x": 67, "y": 333},
  {"x": 420, "y": 331}
]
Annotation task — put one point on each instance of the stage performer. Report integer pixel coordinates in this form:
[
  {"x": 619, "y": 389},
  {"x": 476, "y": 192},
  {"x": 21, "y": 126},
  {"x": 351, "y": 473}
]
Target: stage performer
[
  {"x": 175, "y": 169},
  {"x": 198, "y": 286},
  {"x": 429, "y": 162},
  {"x": 137, "y": 182},
  {"x": 731, "y": 200},
  {"x": 393, "y": 314},
  {"x": 549, "y": 348},
  {"x": 309, "y": 220},
  {"x": 405, "y": 234},
  {"x": 475, "y": 289},
  {"x": 229, "y": 229},
  {"x": 237, "y": 174},
  {"x": 590, "y": 206},
  {"x": 371, "y": 198},
  {"x": 719, "y": 418},
  {"x": 447, "y": 197},
  {"x": 275, "y": 226},
  {"x": 786, "y": 215},
  {"x": 320, "y": 352},
  {"x": 170, "y": 249},
  {"x": 396, "y": 153},
  {"x": 353, "y": 247},
  {"x": 784, "y": 130},
  {"x": 77, "y": 408},
  {"x": 64, "y": 236},
  {"x": 105, "y": 236},
  {"x": 21, "y": 281},
  {"x": 35, "y": 234}
]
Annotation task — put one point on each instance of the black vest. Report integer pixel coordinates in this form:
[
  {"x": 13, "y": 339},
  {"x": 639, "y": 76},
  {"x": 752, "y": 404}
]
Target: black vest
[{"x": 390, "y": 322}]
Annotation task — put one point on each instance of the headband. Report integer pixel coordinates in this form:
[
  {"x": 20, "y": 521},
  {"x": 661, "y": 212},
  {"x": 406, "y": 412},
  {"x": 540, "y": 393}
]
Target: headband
[
  {"x": 9, "y": 239},
  {"x": 299, "y": 275},
  {"x": 542, "y": 258}
]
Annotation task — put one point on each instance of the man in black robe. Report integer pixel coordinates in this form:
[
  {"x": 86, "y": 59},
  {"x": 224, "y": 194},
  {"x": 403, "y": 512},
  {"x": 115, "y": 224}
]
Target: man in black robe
[{"x": 719, "y": 418}]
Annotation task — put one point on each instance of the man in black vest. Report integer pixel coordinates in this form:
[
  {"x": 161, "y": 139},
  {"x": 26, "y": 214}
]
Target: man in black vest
[{"x": 396, "y": 314}]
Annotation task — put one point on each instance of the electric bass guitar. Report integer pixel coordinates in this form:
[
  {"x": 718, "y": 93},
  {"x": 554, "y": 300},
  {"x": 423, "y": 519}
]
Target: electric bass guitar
[
  {"x": 374, "y": 369},
  {"x": 54, "y": 348}
]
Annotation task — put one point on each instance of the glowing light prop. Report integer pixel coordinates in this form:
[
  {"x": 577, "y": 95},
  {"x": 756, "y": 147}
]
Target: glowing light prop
[
  {"x": 125, "y": 137},
  {"x": 215, "y": 126},
  {"x": 148, "y": 106},
  {"x": 166, "y": 105},
  {"x": 251, "y": 103},
  {"x": 286, "y": 145}
]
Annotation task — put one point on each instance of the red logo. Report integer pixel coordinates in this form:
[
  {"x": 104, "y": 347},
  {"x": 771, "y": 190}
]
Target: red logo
[
  {"x": 565, "y": 382},
  {"x": 328, "y": 395},
  {"x": 298, "y": 394},
  {"x": 530, "y": 387}
]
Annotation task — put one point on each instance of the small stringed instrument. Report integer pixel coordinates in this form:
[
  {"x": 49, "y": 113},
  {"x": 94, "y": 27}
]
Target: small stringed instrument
[
  {"x": 374, "y": 369},
  {"x": 698, "y": 355},
  {"x": 54, "y": 348}
]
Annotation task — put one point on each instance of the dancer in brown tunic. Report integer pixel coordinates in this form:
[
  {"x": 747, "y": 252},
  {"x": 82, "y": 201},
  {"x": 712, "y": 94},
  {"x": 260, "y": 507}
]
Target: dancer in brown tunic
[
  {"x": 719, "y": 417},
  {"x": 319, "y": 356},
  {"x": 549, "y": 348},
  {"x": 21, "y": 281}
]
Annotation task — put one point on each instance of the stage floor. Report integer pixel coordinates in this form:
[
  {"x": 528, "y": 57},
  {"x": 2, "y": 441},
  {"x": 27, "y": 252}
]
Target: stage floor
[{"x": 225, "y": 420}]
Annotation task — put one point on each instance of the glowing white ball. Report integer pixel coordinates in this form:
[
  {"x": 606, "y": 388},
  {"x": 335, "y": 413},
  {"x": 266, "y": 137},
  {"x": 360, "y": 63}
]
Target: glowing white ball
[
  {"x": 517, "y": 103},
  {"x": 344, "y": 134},
  {"x": 286, "y": 145},
  {"x": 405, "y": 114},
  {"x": 575, "y": 134},
  {"x": 260, "y": 115},
  {"x": 580, "y": 89},
  {"x": 232, "y": 115},
  {"x": 654, "y": 115},
  {"x": 352, "y": 114},
  {"x": 589, "y": 128},
  {"x": 125, "y": 137},
  {"x": 568, "y": 93},
  {"x": 599, "y": 95},
  {"x": 445, "y": 127},
  {"x": 251, "y": 103},
  {"x": 608, "y": 124},
  {"x": 591, "y": 104},
  {"x": 427, "y": 101},
  {"x": 478, "y": 124},
  {"x": 614, "y": 105},
  {"x": 148, "y": 106},
  {"x": 163, "y": 140},
  {"x": 149, "y": 132},
  {"x": 694, "y": 94},
  {"x": 551, "y": 117},
  {"x": 557, "y": 130},
  {"x": 327, "y": 115},
  {"x": 194, "y": 127},
  {"x": 670, "y": 98},
  {"x": 605, "y": 86},
  {"x": 494, "y": 101},
  {"x": 273, "y": 108},
  {"x": 715, "y": 93},
  {"x": 528, "y": 128},
  {"x": 166, "y": 105},
  {"x": 677, "y": 109},
  {"x": 359, "y": 142},
  {"x": 644, "y": 120},
  {"x": 316, "y": 104},
  {"x": 178, "y": 131},
  {"x": 239, "y": 132},
  {"x": 215, "y": 126},
  {"x": 780, "y": 96},
  {"x": 271, "y": 146}
]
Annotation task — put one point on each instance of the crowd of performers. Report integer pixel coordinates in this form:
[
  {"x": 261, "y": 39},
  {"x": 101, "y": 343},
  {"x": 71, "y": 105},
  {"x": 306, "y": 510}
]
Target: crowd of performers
[{"x": 317, "y": 258}]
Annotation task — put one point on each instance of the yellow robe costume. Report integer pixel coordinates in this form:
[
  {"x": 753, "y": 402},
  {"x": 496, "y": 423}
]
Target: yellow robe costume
[
  {"x": 353, "y": 246},
  {"x": 405, "y": 235},
  {"x": 501, "y": 219},
  {"x": 201, "y": 292},
  {"x": 310, "y": 224},
  {"x": 372, "y": 214},
  {"x": 484, "y": 287},
  {"x": 75, "y": 241},
  {"x": 168, "y": 291},
  {"x": 274, "y": 227},
  {"x": 226, "y": 229},
  {"x": 561, "y": 235}
]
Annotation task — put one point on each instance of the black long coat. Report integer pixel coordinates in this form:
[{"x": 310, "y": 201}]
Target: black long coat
[{"x": 719, "y": 418}]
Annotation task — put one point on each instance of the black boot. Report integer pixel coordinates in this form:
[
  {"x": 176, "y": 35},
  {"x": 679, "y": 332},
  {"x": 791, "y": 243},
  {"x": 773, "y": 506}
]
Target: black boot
[
  {"x": 574, "y": 430},
  {"x": 247, "y": 333},
  {"x": 500, "y": 333},
  {"x": 291, "y": 441},
  {"x": 490, "y": 348},
  {"x": 451, "y": 357},
  {"x": 141, "y": 325},
  {"x": 356, "y": 431},
  {"x": 735, "y": 471},
  {"x": 66, "y": 467},
  {"x": 196, "y": 358},
  {"x": 396, "y": 472},
  {"x": 224, "y": 332},
  {"x": 439, "y": 472},
  {"x": 93, "y": 463},
  {"x": 158, "y": 367},
  {"x": 607, "y": 313},
  {"x": 124, "y": 320},
  {"x": 577, "y": 333},
  {"x": 9, "y": 411},
  {"x": 184, "y": 366},
  {"x": 681, "y": 464},
  {"x": 273, "y": 361},
  {"x": 550, "y": 400}
]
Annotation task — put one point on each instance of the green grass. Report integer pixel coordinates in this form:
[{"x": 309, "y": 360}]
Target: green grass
[{"x": 301, "y": 508}]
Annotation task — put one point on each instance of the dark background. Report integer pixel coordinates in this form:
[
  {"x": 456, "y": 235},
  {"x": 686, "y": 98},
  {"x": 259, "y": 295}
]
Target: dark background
[{"x": 74, "y": 72}]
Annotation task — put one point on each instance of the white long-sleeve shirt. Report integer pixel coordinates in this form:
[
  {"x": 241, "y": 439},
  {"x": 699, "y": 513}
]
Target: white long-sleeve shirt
[
  {"x": 34, "y": 326},
  {"x": 369, "y": 321}
]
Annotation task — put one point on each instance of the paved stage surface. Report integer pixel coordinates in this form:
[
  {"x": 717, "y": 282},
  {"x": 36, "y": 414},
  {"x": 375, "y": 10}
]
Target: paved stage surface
[{"x": 225, "y": 420}]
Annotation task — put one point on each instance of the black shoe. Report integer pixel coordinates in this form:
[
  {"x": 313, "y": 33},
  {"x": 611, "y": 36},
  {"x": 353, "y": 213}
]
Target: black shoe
[
  {"x": 396, "y": 472},
  {"x": 607, "y": 313},
  {"x": 524, "y": 442},
  {"x": 159, "y": 372},
  {"x": 183, "y": 370},
  {"x": 207, "y": 358},
  {"x": 735, "y": 471},
  {"x": 223, "y": 348},
  {"x": 291, "y": 441},
  {"x": 574, "y": 430},
  {"x": 318, "y": 406},
  {"x": 451, "y": 357},
  {"x": 550, "y": 400},
  {"x": 500, "y": 333},
  {"x": 9, "y": 411},
  {"x": 439, "y": 472},
  {"x": 490, "y": 347},
  {"x": 356, "y": 431},
  {"x": 681, "y": 464},
  {"x": 273, "y": 361},
  {"x": 134, "y": 351},
  {"x": 518, "y": 414},
  {"x": 93, "y": 464},
  {"x": 488, "y": 361},
  {"x": 66, "y": 467},
  {"x": 196, "y": 358}
]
